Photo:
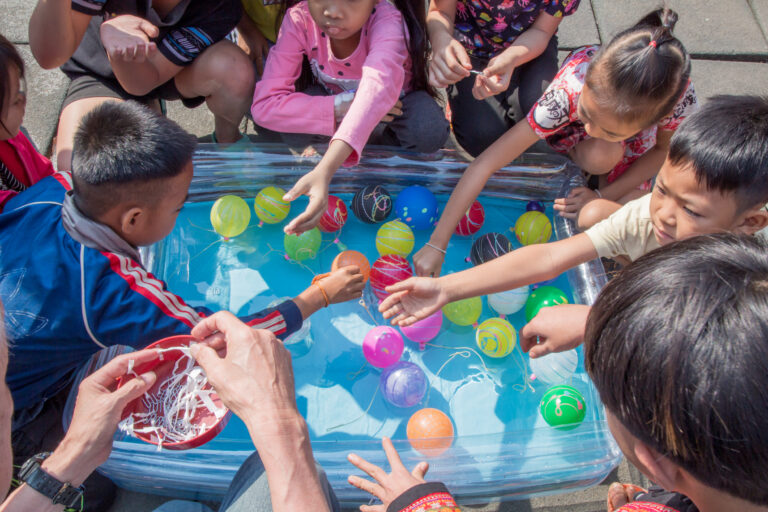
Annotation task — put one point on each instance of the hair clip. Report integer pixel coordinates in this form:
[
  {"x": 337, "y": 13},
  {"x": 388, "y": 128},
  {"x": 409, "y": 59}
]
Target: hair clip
[{"x": 653, "y": 43}]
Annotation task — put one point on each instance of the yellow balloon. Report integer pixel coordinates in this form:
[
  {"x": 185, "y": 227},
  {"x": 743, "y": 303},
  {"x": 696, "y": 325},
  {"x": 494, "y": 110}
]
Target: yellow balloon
[
  {"x": 533, "y": 228},
  {"x": 394, "y": 237},
  {"x": 464, "y": 311},
  {"x": 230, "y": 215},
  {"x": 496, "y": 337},
  {"x": 269, "y": 205}
]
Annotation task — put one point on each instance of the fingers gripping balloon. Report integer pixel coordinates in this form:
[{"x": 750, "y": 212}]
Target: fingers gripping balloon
[{"x": 349, "y": 257}]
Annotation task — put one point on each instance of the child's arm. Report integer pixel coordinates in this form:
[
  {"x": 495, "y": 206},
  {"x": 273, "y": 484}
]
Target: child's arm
[
  {"x": 55, "y": 31},
  {"x": 450, "y": 61},
  {"x": 554, "y": 329},
  {"x": 529, "y": 45},
  {"x": 508, "y": 147},
  {"x": 252, "y": 42},
  {"x": 644, "y": 168},
  {"x": 418, "y": 297}
]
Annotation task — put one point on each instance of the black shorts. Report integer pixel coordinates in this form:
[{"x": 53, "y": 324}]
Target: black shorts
[{"x": 84, "y": 86}]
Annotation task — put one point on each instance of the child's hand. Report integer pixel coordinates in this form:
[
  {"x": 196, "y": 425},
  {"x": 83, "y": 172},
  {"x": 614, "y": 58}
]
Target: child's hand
[
  {"x": 449, "y": 62},
  {"x": 343, "y": 284},
  {"x": 394, "y": 112},
  {"x": 570, "y": 206},
  {"x": 387, "y": 487},
  {"x": 127, "y": 37},
  {"x": 314, "y": 184},
  {"x": 428, "y": 262},
  {"x": 412, "y": 300},
  {"x": 255, "y": 46},
  {"x": 495, "y": 77},
  {"x": 554, "y": 329}
]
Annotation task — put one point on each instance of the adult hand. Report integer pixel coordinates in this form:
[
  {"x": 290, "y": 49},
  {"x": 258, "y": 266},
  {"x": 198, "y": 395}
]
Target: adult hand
[
  {"x": 495, "y": 77},
  {"x": 255, "y": 376},
  {"x": 412, "y": 300},
  {"x": 428, "y": 261},
  {"x": 127, "y": 37},
  {"x": 98, "y": 410},
  {"x": 387, "y": 487},
  {"x": 395, "y": 111},
  {"x": 570, "y": 206},
  {"x": 343, "y": 284},
  {"x": 255, "y": 46},
  {"x": 450, "y": 61},
  {"x": 554, "y": 329},
  {"x": 314, "y": 184}
]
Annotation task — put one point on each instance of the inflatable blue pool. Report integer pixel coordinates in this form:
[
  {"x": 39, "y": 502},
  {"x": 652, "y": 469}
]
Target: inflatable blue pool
[{"x": 503, "y": 449}]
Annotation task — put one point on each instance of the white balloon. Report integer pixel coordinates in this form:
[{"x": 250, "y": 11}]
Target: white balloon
[
  {"x": 556, "y": 367},
  {"x": 510, "y": 301}
]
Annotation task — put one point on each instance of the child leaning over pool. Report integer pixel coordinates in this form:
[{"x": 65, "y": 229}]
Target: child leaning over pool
[
  {"x": 70, "y": 269},
  {"x": 611, "y": 109},
  {"x": 368, "y": 58},
  {"x": 715, "y": 179}
]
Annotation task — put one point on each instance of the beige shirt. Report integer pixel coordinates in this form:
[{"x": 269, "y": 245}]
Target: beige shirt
[{"x": 628, "y": 232}]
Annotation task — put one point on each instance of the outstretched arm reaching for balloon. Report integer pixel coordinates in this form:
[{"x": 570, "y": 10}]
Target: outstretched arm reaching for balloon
[
  {"x": 509, "y": 146},
  {"x": 554, "y": 329},
  {"x": 418, "y": 297}
]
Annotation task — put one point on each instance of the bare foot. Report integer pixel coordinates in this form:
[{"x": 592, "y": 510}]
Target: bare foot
[{"x": 620, "y": 494}]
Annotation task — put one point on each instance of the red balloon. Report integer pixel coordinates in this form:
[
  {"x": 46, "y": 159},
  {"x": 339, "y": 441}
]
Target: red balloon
[
  {"x": 334, "y": 216},
  {"x": 388, "y": 270},
  {"x": 349, "y": 257},
  {"x": 472, "y": 220}
]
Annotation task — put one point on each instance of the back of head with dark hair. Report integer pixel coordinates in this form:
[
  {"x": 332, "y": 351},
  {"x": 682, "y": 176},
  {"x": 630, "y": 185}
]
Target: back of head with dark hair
[
  {"x": 122, "y": 147},
  {"x": 643, "y": 71},
  {"x": 677, "y": 346},
  {"x": 415, "y": 17},
  {"x": 9, "y": 56},
  {"x": 726, "y": 143}
]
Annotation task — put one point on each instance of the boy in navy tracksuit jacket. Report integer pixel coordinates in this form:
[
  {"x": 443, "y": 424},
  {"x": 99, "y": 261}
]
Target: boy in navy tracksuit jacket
[{"x": 70, "y": 274}]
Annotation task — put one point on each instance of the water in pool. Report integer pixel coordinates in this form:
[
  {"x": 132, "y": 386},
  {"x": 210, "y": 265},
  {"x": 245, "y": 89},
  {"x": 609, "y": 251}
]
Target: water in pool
[{"x": 501, "y": 439}]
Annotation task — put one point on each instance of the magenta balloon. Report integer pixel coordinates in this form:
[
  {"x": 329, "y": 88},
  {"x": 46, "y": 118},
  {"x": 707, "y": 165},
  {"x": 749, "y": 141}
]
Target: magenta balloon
[
  {"x": 424, "y": 330},
  {"x": 382, "y": 346},
  {"x": 403, "y": 384}
]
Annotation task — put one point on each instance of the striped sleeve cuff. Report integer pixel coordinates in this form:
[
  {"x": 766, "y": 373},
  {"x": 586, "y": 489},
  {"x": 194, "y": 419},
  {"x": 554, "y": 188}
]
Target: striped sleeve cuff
[
  {"x": 430, "y": 496},
  {"x": 283, "y": 320}
]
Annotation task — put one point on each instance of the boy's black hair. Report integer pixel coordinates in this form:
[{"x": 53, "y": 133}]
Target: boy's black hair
[
  {"x": 726, "y": 142},
  {"x": 9, "y": 56},
  {"x": 119, "y": 148},
  {"x": 643, "y": 71},
  {"x": 677, "y": 346}
]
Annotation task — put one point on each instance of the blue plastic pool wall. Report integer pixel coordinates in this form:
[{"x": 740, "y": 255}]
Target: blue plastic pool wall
[{"x": 504, "y": 465}]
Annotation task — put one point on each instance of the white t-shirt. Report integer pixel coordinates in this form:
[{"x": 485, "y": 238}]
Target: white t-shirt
[{"x": 628, "y": 232}]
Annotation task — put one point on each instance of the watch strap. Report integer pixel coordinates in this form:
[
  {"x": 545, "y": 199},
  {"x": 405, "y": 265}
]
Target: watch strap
[{"x": 38, "y": 479}]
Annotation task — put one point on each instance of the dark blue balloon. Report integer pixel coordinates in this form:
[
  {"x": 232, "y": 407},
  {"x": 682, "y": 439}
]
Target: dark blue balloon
[
  {"x": 417, "y": 207},
  {"x": 534, "y": 206}
]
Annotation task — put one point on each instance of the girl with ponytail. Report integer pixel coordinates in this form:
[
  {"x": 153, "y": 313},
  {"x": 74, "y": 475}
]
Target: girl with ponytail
[
  {"x": 368, "y": 63},
  {"x": 612, "y": 110}
]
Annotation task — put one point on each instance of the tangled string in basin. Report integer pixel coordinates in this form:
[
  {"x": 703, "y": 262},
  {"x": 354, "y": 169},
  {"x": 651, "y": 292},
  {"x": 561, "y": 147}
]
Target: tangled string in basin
[{"x": 179, "y": 408}]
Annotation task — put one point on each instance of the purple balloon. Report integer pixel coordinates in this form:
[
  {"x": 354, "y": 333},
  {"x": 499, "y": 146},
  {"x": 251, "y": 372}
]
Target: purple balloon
[
  {"x": 403, "y": 384},
  {"x": 534, "y": 206},
  {"x": 382, "y": 346}
]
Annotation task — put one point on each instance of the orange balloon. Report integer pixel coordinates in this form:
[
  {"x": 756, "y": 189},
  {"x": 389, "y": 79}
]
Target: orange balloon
[
  {"x": 347, "y": 258},
  {"x": 430, "y": 432}
]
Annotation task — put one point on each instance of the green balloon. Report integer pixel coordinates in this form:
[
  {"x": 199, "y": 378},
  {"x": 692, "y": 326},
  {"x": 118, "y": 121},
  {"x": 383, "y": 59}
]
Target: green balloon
[
  {"x": 563, "y": 407},
  {"x": 543, "y": 297},
  {"x": 304, "y": 246},
  {"x": 465, "y": 311}
]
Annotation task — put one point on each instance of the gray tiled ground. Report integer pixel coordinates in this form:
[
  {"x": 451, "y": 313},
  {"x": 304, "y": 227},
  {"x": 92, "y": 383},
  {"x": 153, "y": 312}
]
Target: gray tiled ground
[
  {"x": 579, "y": 28},
  {"x": 706, "y": 27}
]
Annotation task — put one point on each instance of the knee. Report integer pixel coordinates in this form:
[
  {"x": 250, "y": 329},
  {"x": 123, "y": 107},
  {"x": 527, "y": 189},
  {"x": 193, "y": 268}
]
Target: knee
[
  {"x": 475, "y": 134},
  {"x": 230, "y": 66},
  {"x": 595, "y": 211},
  {"x": 423, "y": 128},
  {"x": 597, "y": 156}
]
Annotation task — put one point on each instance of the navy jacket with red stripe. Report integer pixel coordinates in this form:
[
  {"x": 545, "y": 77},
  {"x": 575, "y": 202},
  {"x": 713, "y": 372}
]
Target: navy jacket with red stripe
[{"x": 65, "y": 301}]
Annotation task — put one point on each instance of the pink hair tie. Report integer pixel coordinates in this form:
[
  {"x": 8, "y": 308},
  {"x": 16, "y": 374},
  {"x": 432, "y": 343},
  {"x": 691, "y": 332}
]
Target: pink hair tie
[{"x": 652, "y": 43}]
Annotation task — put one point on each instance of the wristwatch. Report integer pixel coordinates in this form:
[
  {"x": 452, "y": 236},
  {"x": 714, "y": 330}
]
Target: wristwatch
[{"x": 60, "y": 493}]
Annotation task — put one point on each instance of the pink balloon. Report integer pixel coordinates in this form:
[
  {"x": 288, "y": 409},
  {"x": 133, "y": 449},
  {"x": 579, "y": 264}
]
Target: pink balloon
[
  {"x": 424, "y": 330},
  {"x": 382, "y": 346}
]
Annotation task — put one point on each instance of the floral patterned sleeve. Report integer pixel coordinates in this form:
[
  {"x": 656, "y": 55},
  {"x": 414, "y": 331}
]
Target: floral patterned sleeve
[
  {"x": 559, "y": 8},
  {"x": 686, "y": 106}
]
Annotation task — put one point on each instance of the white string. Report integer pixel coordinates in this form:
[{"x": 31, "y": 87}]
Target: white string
[{"x": 173, "y": 406}]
